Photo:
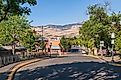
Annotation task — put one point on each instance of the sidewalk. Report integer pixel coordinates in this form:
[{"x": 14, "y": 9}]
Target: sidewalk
[
  {"x": 109, "y": 59},
  {"x": 117, "y": 60}
]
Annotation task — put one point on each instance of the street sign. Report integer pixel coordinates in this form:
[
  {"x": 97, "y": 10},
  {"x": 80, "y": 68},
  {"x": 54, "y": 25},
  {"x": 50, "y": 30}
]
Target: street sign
[
  {"x": 112, "y": 41},
  {"x": 101, "y": 43},
  {"x": 112, "y": 35}
]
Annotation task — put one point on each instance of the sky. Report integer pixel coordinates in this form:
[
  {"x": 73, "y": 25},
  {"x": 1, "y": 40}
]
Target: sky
[{"x": 60, "y": 12}]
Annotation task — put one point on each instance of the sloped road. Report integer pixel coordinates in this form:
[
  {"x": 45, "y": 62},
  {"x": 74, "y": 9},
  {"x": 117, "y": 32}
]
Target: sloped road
[{"x": 72, "y": 67}]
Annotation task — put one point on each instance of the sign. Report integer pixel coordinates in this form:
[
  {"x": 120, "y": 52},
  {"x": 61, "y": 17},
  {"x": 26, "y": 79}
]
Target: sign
[
  {"x": 101, "y": 43},
  {"x": 112, "y": 41},
  {"x": 112, "y": 35}
]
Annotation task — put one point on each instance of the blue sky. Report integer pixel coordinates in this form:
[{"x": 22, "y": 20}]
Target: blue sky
[{"x": 65, "y": 11}]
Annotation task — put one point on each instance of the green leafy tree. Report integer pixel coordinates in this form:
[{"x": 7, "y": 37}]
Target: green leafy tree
[
  {"x": 99, "y": 27},
  {"x": 96, "y": 28},
  {"x": 66, "y": 43},
  {"x": 16, "y": 28},
  {"x": 28, "y": 39},
  {"x": 118, "y": 42},
  {"x": 15, "y": 7}
]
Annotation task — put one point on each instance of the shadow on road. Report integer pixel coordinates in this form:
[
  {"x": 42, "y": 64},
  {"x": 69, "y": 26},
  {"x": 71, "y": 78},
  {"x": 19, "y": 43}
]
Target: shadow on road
[
  {"x": 3, "y": 76},
  {"x": 72, "y": 71}
]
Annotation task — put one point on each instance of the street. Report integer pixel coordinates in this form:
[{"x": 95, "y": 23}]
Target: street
[
  {"x": 71, "y": 67},
  {"x": 60, "y": 40}
]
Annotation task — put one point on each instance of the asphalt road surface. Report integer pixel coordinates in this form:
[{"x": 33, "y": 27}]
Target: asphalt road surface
[{"x": 72, "y": 67}]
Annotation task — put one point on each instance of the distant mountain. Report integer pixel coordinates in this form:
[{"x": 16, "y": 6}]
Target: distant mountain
[
  {"x": 54, "y": 26},
  {"x": 69, "y": 30},
  {"x": 73, "y": 24},
  {"x": 62, "y": 26}
]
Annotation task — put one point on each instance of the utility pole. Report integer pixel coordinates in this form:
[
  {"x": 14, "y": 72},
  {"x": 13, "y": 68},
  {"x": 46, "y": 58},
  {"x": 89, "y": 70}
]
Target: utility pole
[
  {"x": 101, "y": 45},
  {"x": 42, "y": 40},
  {"x": 13, "y": 48},
  {"x": 112, "y": 42},
  {"x": 13, "y": 45}
]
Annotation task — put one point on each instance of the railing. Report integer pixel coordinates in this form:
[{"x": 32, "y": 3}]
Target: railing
[{"x": 5, "y": 60}]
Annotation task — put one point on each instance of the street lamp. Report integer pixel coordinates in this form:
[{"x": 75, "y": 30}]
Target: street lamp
[
  {"x": 15, "y": 37},
  {"x": 112, "y": 42},
  {"x": 50, "y": 48},
  {"x": 101, "y": 45},
  {"x": 42, "y": 40},
  {"x": 13, "y": 44}
]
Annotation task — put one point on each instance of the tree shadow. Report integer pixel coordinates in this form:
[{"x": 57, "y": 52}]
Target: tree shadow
[
  {"x": 4, "y": 75},
  {"x": 72, "y": 71}
]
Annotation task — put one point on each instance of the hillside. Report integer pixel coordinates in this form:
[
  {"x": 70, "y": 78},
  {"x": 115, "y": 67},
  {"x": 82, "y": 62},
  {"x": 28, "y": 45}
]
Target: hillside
[{"x": 68, "y": 30}]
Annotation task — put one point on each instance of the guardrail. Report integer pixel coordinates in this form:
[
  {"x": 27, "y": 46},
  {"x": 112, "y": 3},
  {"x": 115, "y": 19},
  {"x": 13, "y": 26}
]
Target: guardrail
[{"x": 5, "y": 60}]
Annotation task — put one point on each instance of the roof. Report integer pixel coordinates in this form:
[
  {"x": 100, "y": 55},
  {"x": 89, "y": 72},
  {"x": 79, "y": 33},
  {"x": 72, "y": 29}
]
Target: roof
[
  {"x": 42, "y": 38},
  {"x": 10, "y": 47},
  {"x": 55, "y": 43},
  {"x": 75, "y": 47}
]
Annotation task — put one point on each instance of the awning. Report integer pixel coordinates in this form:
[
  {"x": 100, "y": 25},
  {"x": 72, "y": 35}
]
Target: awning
[{"x": 55, "y": 47}]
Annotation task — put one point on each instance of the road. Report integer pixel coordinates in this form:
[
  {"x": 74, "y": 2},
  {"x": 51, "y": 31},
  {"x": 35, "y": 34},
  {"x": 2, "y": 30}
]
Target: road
[
  {"x": 4, "y": 71},
  {"x": 72, "y": 67}
]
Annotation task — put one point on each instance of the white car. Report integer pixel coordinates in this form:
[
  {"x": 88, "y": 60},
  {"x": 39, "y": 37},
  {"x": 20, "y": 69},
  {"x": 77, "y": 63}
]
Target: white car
[{"x": 83, "y": 52}]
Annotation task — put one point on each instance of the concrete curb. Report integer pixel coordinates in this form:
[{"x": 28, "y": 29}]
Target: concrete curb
[
  {"x": 113, "y": 64},
  {"x": 14, "y": 70},
  {"x": 96, "y": 57}
]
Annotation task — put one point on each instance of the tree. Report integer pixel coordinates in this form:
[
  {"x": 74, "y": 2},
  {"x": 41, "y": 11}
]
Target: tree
[
  {"x": 99, "y": 27},
  {"x": 16, "y": 28},
  {"x": 68, "y": 42},
  {"x": 28, "y": 39},
  {"x": 118, "y": 42},
  {"x": 96, "y": 28},
  {"x": 15, "y": 7},
  {"x": 65, "y": 42}
]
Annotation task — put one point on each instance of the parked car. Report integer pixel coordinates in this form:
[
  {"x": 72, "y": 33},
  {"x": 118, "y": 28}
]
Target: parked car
[{"x": 84, "y": 51}]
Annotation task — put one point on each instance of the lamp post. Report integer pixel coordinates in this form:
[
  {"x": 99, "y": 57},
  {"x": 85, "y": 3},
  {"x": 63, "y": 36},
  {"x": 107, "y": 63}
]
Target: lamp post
[
  {"x": 50, "y": 48},
  {"x": 13, "y": 45},
  {"x": 112, "y": 43},
  {"x": 15, "y": 37},
  {"x": 42, "y": 40},
  {"x": 101, "y": 45}
]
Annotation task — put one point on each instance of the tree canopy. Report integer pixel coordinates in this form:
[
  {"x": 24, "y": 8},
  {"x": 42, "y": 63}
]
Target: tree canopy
[
  {"x": 15, "y": 7},
  {"x": 16, "y": 28},
  {"x": 99, "y": 27}
]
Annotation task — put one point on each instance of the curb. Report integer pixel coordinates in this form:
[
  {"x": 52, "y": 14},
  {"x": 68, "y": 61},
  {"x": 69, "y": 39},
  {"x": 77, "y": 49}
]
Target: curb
[
  {"x": 14, "y": 70},
  {"x": 96, "y": 57},
  {"x": 113, "y": 64}
]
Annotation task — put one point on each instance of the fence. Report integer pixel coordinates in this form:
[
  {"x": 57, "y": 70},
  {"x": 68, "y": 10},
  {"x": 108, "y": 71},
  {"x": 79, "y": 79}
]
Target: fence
[{"x": 5, "y": 60}]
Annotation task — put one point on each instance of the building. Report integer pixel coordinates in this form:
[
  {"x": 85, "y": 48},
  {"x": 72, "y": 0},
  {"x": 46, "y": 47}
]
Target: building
[{"x": 7, "y": 50}]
